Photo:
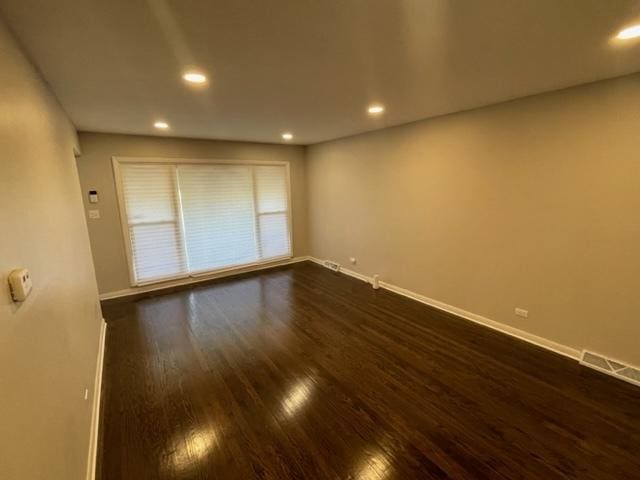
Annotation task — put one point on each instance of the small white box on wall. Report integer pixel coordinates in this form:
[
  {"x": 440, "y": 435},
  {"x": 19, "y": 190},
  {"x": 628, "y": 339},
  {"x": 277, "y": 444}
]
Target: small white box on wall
[{"x": 20, "y": 284}]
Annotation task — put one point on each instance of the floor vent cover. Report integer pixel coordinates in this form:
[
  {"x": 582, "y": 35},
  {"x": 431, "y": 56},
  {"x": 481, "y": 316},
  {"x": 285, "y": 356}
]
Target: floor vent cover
[{"x": 612, "y": 367}]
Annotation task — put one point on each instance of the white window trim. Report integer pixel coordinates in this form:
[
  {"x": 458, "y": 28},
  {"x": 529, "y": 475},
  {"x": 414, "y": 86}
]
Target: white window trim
[{"x": 124, "y": 224}]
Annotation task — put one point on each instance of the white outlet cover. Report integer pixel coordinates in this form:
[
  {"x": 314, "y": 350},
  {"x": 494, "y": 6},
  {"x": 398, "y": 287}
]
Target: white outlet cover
[
  {"x": 94, "y": 214},
  {"x": 521, "y": 312}
]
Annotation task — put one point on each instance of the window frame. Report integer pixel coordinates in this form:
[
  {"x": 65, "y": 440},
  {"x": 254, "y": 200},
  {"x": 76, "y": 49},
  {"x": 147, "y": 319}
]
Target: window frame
[{"x": 125, "y": 225}]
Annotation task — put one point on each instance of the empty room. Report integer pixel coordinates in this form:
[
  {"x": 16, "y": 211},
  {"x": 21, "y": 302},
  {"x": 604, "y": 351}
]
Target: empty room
[{"x": 320, "y": 239}]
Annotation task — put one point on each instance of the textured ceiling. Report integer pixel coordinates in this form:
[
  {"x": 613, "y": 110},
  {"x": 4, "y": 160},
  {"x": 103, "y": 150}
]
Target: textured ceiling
[{"x": 311, "y": 66}]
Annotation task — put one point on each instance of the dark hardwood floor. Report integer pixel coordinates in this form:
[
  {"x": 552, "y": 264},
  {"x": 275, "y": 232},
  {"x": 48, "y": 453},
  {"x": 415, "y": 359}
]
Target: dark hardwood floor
[{"x": 303, "y": 373}]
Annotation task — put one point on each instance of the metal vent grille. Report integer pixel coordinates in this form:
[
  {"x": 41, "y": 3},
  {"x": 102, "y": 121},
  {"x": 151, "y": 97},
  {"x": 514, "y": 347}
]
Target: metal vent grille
[
  {"x": 611, "y": 367},
  {"x": 332, "y": 265}
]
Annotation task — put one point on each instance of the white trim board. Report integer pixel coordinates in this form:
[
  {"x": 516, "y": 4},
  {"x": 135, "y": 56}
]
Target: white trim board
[
  {"x": 487, "y": 322},
  {"x": 95, "y": 411},
  {"x": 569, "y": 352},
  {"x": 200, "y": 278}
]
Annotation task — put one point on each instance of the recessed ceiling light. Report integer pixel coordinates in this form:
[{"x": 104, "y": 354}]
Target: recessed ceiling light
[
  {"x": 195, "y": 77},
  {"x": 287, "y": 136},
  {"x": 631, "y": 32},
  {"x": 161, "y": 125},
  {"x": 375, "y": 109}
]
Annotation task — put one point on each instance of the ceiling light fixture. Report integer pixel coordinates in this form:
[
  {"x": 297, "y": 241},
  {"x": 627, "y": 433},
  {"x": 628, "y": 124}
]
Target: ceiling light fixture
[
  {"x": 631, "y": 32},
  {"x": 375, "y": 109},
  {"x": 161, "y": 125},
  {"x": 195, "y": 77},
  {"x": 287, "y": 136}
]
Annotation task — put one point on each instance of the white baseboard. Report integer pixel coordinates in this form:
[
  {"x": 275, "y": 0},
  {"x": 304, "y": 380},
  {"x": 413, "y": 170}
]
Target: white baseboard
[
  {"x": 192, "y": 280},
  {"x": 459, "y": 312},
  {"x": 95, "y": 412},
  {"x": 531, "y": 338},
  {"x": 487, "y": 322}
]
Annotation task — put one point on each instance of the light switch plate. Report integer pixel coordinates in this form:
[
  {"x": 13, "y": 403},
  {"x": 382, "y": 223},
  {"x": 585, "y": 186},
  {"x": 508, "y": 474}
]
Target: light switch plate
[{"x": 94, "y": 214}]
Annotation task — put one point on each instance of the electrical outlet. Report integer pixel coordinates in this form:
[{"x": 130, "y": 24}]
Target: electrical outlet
[{"x": 521, "y": 312}]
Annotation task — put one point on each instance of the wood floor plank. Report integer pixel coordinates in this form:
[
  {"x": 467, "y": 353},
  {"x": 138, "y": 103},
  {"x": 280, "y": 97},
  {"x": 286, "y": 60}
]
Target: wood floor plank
[{"x": 302, "y": 373}]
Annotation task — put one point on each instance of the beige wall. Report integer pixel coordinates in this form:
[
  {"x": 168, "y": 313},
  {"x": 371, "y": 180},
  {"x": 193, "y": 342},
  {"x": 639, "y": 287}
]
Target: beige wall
[
  {"x": 96, "y": 173},
  {"x": 533, "y": 203},
  {"x": 49, "y": 343}
]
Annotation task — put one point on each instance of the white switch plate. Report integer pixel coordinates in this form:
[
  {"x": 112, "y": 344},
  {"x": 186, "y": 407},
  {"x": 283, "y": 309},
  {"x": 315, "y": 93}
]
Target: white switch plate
[{"x": 94, "y": 214}]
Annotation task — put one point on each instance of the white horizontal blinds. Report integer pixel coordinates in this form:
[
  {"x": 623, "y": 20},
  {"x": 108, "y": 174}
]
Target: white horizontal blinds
[
  {"x": 189, "y": 218},
  {"x": 217, "y": 205},
  {"x": 272, "y": 210},
  {"x": 151, "y": 204}
]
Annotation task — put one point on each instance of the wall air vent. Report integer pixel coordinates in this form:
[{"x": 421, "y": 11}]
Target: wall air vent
[
  {"x": 611, "y": 367},
  {"x": 332, "y": 265}
]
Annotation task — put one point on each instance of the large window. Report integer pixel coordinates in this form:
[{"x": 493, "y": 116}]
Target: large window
[{"x": 183, "y": 218}]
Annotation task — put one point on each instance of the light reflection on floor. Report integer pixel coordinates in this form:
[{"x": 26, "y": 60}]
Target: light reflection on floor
[
  {"x": 374, "y": 467},
  {"x": 297, "y": 396},
  {"x": 186, "y": 452}
]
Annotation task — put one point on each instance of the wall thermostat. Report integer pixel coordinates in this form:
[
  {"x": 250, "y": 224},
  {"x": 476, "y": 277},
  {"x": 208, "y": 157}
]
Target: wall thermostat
[
  {"x": 20, "y": 284},
  {"x": 93, "y": 196}
]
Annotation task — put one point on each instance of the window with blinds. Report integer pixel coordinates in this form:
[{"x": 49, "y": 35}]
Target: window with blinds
[{"x": 183, "y": 219}]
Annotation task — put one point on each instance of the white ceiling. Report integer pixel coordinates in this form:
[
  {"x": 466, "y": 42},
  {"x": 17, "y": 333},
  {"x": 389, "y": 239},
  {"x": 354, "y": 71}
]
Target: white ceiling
[{"x": 311, "y": 66}]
